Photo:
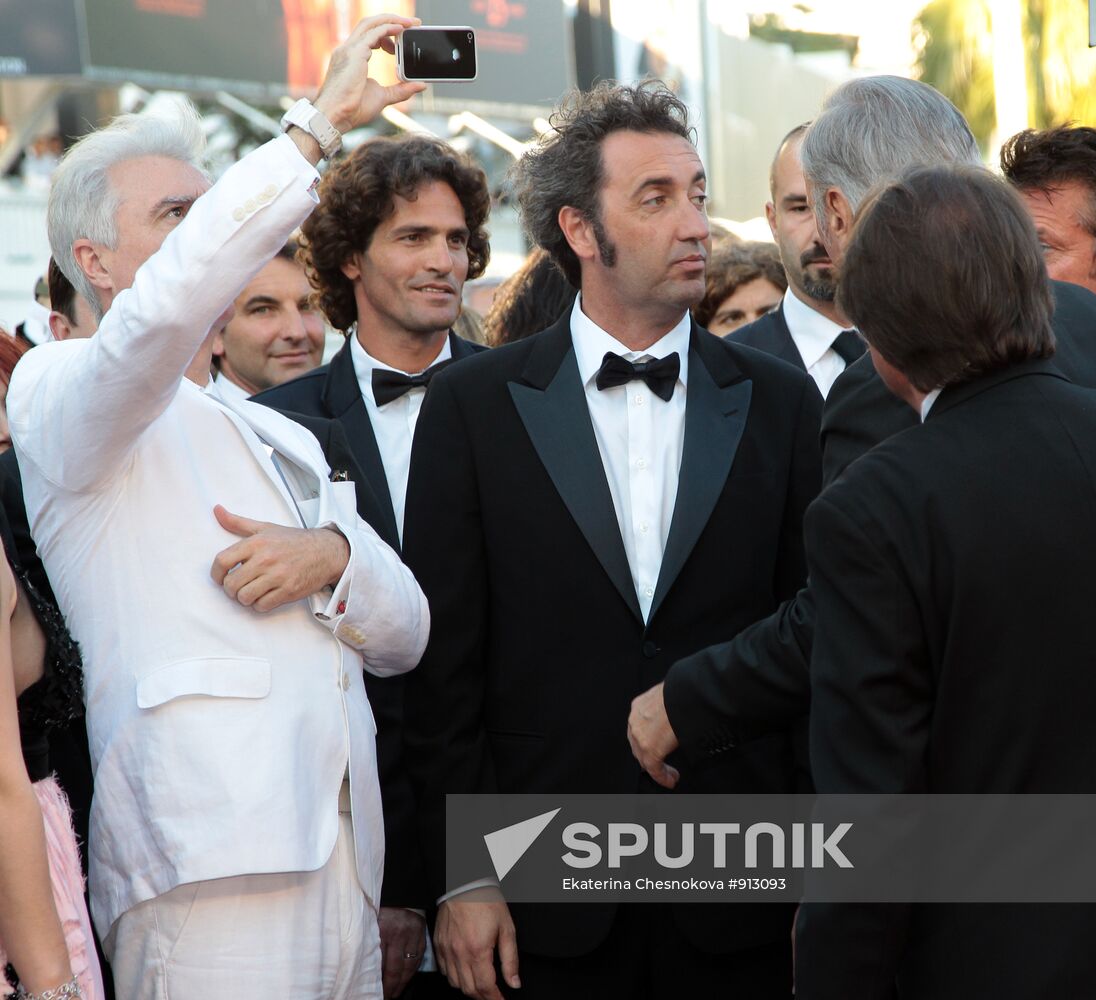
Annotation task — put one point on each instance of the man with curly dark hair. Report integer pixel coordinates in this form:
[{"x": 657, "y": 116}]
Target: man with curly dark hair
[
  {"x": 399, "y": 229},
  {"x": 585, "y": 506}
]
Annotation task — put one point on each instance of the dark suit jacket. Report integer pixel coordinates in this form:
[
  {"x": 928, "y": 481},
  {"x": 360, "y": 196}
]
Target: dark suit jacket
[
  {"x": 332, "y": 391},
  {"x": 537, "y": 645},
  {"x": 759, "y": 679},
  {"x": 328, "y": 401},
  {"x": 770, "y": 333},
  {"x": 952, "y": 572}
]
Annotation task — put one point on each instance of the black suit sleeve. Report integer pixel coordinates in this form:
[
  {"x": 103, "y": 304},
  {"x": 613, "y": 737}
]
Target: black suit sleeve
[
  {"x": 444, "y": 546},
  {"x": 871, "y": 709},
  {"x": 757, "y": 682},
  {"x": 860, "y": 412}
]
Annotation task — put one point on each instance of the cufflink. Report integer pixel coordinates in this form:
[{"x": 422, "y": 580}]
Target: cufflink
[{"x": 339, "y": 476}]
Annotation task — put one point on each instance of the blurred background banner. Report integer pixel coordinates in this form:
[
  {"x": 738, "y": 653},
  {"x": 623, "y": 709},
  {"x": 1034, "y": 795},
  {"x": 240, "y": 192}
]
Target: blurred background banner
[
  {"x": 39, "y": 38},
  {"x": 260, "y": 49}
]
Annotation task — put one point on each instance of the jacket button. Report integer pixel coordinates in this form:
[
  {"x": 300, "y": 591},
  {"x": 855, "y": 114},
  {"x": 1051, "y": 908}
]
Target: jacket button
[{"x": 650, "y": 650}]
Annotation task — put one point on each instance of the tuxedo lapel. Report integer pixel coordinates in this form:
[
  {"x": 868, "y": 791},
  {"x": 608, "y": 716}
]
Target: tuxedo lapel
[
  {"x": 717, "y": 406},
  {"x": 551, "y": 403},
  {"x": 342, "y": 398},
  {"x": 770, "y": 334}
]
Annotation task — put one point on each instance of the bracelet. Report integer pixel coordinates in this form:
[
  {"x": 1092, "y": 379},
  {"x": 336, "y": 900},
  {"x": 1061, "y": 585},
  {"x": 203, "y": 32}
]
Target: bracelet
[{"x": 66, "y": 991}]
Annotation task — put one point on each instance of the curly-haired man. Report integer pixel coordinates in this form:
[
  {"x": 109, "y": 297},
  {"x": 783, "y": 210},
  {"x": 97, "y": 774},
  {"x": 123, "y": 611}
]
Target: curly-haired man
[{"x": 399, "y": 229}]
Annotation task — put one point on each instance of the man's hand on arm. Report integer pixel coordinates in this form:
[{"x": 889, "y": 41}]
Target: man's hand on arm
[
  {"x": 274, "y": 565},
  {"x": 652, "y": 737},
  {"x": 349, "y": 97},
  {"x": 403, "y": 941},
  {"x": 468, "y": 929}
]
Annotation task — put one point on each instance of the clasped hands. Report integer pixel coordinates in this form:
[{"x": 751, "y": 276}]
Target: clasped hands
[{"x": 273, "y": 565}]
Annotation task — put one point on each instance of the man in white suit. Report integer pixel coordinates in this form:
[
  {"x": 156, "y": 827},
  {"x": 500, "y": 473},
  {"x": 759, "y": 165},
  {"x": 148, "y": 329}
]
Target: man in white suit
[{"x": 223, "y": 589}]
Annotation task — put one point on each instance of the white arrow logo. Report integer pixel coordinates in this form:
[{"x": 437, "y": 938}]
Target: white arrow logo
[{"x": 506, "y": 846}]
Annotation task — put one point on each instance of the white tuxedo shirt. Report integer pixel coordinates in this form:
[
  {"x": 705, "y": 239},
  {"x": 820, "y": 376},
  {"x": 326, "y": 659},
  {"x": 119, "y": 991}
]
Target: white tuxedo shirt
[{"x": 219, "y": 736}]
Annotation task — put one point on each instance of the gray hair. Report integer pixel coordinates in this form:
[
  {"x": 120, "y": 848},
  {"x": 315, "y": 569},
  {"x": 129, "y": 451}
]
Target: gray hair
[
  {"x": 83, "y": 203},
  {"x": 874, "y": 128}
]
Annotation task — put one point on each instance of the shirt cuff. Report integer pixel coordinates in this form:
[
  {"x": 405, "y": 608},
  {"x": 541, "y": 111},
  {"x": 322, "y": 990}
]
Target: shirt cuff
[{"x": 483, "y": 883}]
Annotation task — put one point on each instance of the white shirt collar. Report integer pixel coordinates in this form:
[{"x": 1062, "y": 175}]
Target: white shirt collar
[
  {"x": 926, "y": 403},
  {"x": 364, "y": 363},
  {"x": 225, "y": 389},
  {"x": 592, "y": 343},
  {"x": 812, "y": 332}
]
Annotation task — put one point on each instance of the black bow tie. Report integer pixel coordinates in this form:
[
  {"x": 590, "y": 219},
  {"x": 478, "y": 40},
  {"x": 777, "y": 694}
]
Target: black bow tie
[
  {"x": 660, "y": 375},
  {"x": 389, "y": 385},
  {"x": 848, "y": 345}
]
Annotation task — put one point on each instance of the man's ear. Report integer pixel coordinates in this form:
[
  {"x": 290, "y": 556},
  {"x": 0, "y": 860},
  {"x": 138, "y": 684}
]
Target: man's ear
[
  {"x": 59, "y": 326},
  {"x": 770, "y": 217},
  {"x": 839, "y": 214},
  {"x": 352, "y": 268},
  {"x": 91, "y": 263},
  {"x": 578, "y": 232},
  {"x": 219, "y": 343}
]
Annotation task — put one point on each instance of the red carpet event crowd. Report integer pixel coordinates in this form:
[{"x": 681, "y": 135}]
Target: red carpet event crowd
[{"x": 680, "y": 514}]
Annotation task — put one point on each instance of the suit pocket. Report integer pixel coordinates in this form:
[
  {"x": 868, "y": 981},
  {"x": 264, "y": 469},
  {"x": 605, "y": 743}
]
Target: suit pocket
[{"x": 215, "y": 677}]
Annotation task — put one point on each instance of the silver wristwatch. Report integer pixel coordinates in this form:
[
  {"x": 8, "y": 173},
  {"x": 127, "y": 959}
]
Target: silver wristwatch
[{"x": 315, "y": 123}]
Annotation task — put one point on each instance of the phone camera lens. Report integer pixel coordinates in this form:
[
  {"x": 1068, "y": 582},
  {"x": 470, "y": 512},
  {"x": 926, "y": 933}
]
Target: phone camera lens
[{"x": 469, "y": 36}]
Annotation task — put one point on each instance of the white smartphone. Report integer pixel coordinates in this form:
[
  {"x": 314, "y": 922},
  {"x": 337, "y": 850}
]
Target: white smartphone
[{"x": 437, "y": 54}]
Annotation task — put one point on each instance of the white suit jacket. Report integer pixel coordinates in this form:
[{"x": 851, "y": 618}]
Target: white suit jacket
[{"x": 219, "y": 735}]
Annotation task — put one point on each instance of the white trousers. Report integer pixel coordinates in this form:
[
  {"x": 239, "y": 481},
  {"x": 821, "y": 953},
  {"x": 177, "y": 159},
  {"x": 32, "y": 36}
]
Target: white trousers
[{"x": 296, "y": 936}]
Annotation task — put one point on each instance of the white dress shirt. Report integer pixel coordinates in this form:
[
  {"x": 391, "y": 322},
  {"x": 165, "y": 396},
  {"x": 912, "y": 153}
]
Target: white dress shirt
[
  {"x": 640, "y": 438},
  {"x": 394, "y": 423},
  {"x": 926, "y": 403},
  {"x": 228, "y": 390},
  {"x": 814, "y": 335}
]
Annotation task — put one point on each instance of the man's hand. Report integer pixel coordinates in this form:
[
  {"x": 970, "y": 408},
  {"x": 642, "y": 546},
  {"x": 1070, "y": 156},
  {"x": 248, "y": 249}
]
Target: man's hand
[
  {"x": 349, "y": 97},
  {"x": 652, "y": 737},
  {"x": 403, "y": 934},
  {"x": 274, "y": 565},
  {"x": 468, "y": 929}
]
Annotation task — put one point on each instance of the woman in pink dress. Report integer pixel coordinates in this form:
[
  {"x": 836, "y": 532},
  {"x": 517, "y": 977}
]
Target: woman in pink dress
[{"x": 46, "y": 946}]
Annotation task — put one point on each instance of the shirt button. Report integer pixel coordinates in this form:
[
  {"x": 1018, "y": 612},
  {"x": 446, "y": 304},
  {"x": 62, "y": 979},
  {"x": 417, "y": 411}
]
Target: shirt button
[
  {"x": 641, "y": 463},
  {"x": 346, "y": 682},
  {"x": 650, "y": 591},
  {"x": 638, "y": 400},
  {"x": 644, "y": 527}
]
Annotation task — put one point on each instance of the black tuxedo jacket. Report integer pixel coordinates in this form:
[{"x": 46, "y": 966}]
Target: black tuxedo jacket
[
  {"x": 770, "y": 333},
  {"x": 332, "y": 391},
  {"x": 537, "y": 645},
  {"x": 952, "y": 573},
  {"x": 328, "y": 401},
  {"x": 729, "y": 693}
]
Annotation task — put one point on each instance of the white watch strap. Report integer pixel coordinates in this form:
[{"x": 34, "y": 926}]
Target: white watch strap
[{"x": 305, "y": 116}]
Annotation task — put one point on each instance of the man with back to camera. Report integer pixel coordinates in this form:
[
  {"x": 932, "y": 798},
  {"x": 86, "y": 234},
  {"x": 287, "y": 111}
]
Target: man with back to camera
[
  {"x": 807, "y": 329},
  {"x": 946, "y": 564},
  {"x": 275, "y": 332},
  {"x": 571, "y": 503},
  {"x": 727, "y": 694},
  {"x": 224, "y": 591},
  {"x": 399, "y": 228}
]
